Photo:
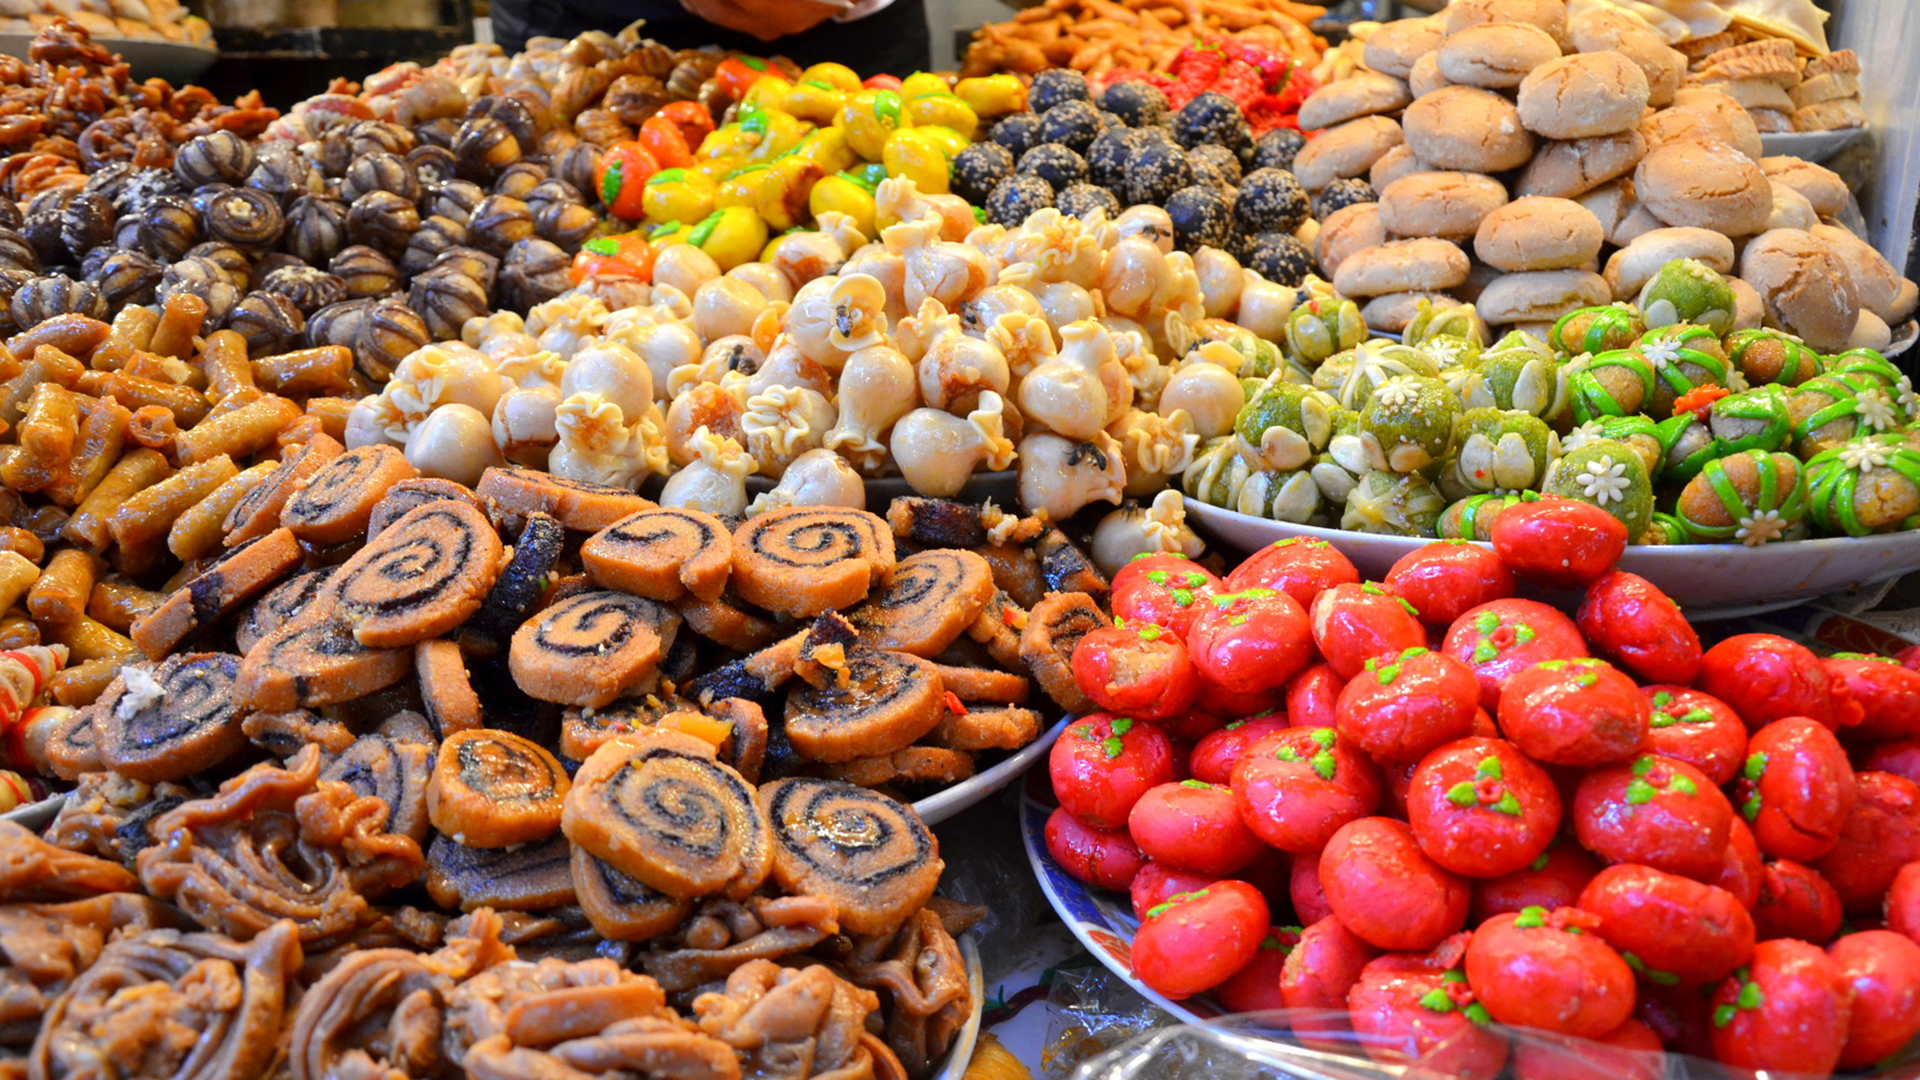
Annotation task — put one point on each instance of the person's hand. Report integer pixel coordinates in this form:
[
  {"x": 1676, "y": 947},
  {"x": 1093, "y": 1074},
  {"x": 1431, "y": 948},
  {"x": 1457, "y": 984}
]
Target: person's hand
[{"x": 764, "y": 19}]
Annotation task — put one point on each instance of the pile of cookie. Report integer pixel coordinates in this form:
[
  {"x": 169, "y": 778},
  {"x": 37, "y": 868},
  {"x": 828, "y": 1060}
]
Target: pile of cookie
[
  {"x": 1780, "y": 89},
  {"x": 1540, "y": 142}
]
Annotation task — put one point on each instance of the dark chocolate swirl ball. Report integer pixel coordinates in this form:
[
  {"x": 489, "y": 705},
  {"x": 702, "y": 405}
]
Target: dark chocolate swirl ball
[
  {"x": 498, "y": 223},
  {"x": 87, "y": 222},
  {"x": 219, "y": 157},
  {"x": 437, "y": 234},
  {"x": 308, "y": 287},
  {"x": 383, "y": 221},
  {"x": 366, "y": 272},
  {"x": 127, "y": 277},
  {"x": 44, "y": 297},
  {"x": 519, "y": 178},
  {"x": 533, "y": 272},
  {"x": 270, "y": 322},
  {"x": 445, "y": 299},
  {"x": 432, "y": 164},
  {"x": 484, "y": 146},
  {"x": 316, "y": 228},
  {"x": 379, "y": 171},
  {"x": 246, "y": 218}
]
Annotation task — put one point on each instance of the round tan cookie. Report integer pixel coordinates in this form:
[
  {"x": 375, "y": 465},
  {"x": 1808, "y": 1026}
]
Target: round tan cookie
[
  {"x": 1583, "y": 95},
  {"x": 1422, "y": 265},
  {"x": 1390, "y": 313},
  {"x": 1870, "y": 332},
  {"x": 1364, "y": 93},
  {"x": 1539, "y": 295},
  {"x": 1804, "y": 286},
  {"x": 1706, "y": 184},
  {"x": 1821, "y": 185},
  {"x": 1548, "y": 15},
  {"x": 1875, "y": 281},
  {"x": 1565, "y": 168},
  {"x": 1791, "y": 210},
  {"x": 1392, "y": 49},
  {"x": 1464, "y": 127},
  {"x": 1630, "y": 267},
  {"x": 1394, "y": 164},
  {"x": 1425, "y": 77},
  {"x": 1493, "y": 56},
  {"x": 1347, "y": 150},
  {"x": 1601, "y": 28},
  {"x": 1537, "y": 233},
  {"x": 1904, "y": 302},
  {"x": 1345, "y": 231},
  {"x": 1748, "y": 312},
  {"x": 1620, "y": 213},
  {"x": 1735, "y": 123},
  {"x": 1449, "y": 205}
]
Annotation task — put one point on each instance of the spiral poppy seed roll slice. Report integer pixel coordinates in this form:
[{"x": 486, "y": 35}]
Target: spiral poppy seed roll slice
[
  {"x": 282, "y": 604},
  {"x": 929, "y": 600},
  {"x": 870, "y": 855},
  {"x": 396, "y": 772},
  {"x": 338, "y": 500},
  {"x": 258, "y": 511},
  {"x": 312, "y": 661},
  {"x": 577, "y": 504},
  {"x": 663, "y": 554},
  {"x": 886, "y": 703},
  {"x": 620, "y": 907},
  {"x": 409, "y": 495},
  {"x": 589, "y": 648},
  {"x": 531, "y": 877},
  {"x": 421, "y": 577},
  {"x": 170, "y": 720},
  {"x": 805, "y": 560},
  {"x": 495, "y": 789}
]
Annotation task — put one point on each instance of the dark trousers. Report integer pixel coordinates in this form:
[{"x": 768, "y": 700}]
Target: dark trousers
[{"x": 893, "y": 40}]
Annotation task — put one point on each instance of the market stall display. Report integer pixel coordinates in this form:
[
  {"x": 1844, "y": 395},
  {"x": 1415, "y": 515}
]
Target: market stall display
[{"x": 1098, "y": 36}]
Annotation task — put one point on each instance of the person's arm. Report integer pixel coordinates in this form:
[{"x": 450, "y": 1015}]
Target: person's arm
[{"x": 767, "y": 19}]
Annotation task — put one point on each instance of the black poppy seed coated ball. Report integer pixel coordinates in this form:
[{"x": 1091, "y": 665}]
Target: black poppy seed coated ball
[
  {"x": 1110, "y": 120},
  {"x": 1072, "y": 124},
  {"x": 1140, "y": 104},
  {"x": 1220, "y": 159},
  {"x": 1016, "y": 197},
  {"x": 1078, "y": 200},
  {"x": 1341, "y": 194},
  {"x": 1200, "y": 217},
  {"x": 1107, "y": 158},
  {"x": 1271, "y": 200},
  {"x": 978, "y": 168},
  {"x": 1019, "y": 133},
  {"x": 1280, "y": 258},
  {"x": 1277, "y": 149},
  {"x": 1055, "y": 164},
  {"x": 1156, "y": 172},
  {"x": 1055, "y": 85},
  {"x": 1207, "y": 173},
  {"x": 1212, "y": 118}
]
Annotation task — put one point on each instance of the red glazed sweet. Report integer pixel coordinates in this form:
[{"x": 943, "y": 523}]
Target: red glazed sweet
[
  {"x": 1384, "y": 888},
  {"x": 1139, "y": 671},
  {"x": 1103, "y": 858},
  {"x": 1157, "y": 882},
  {"x": 1400, "y": 708},
  {"x": 1193, "y": 825},
  {"x": 1250, "y": 641},
  {"x": 1352, "y": 624},
  {"x": 1256, "y": 987},
  {"x": 1412, "y": 1008},
  {"x": 1903, "y": 902},
  {"x": 1561, "y": 543},
  {"x": 1766, "y": 678},
  {"x": 1100, "y": 766},
  {"x": 1887, "y": 693},
  {"x": 1303, "y": 569},
  {"x": 1881, "y": 835},
  {"x": 1548, "y": 970},
  {"x": 1655, "y": 811},
  {"x": 1796, "y": 789},
  {"x": 1163, "y": 589},
  {"x": 1218, "y": 701},
  {"x": 1741, "y": 871},
  {"x": 1632, "y": 623},
  {"x": 1312, "y": 694},
  {"x": 1215, "y": 755},
  {"x": 1668, "y": 928},
  {"x": 1447, "y": 578},
  {"x": 1499, "y": 639},
  {"x": 1696, "y": 728},
  {"x": 1303, "y": 888},
  {"x": 1319, "y": 972},
  {"x": 1196, "y": 941},
  {"x": 1788, "y": 1010},
  {"x": 1303, "y": 786},
  {"x": 1481, "y": 808},
  {"x": 1900, "y": 757},
  {"x": 1629, "y": 1052},
  {"x": 1796, "y": 902},
  {"x": 1574, "y": 712},
  {"x": 1552, "y": 880},
  {"x": 1884, "y": 970}
]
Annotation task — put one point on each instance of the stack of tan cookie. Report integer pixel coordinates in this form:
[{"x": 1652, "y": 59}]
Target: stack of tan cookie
[
  {"x": 1781, "y": 90},
  {"x": 1571, "y": 158}
]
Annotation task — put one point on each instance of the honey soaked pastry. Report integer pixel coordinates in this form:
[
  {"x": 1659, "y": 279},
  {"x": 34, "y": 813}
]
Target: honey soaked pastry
[
  {"x": 983, "y": 684},
  {"x": 377, "y": 1012},
  {"x": 928, "y": 602},
  {"x": 313, "y": 661},
  {"x": 282, "y": 604},
  {"x": 239, "y": 576},
  {"x": 1054, "y": 627},
  {"x": 32, "y": 870},
  {"x": 445, "y": 687},
  {"x": 590, "y": 647},
  {"x": 725, "y": 623},
  {"x": 663, "y": 553},
  {"x": 804, "y": 560},
  {"x": 410, "y": 495},
  {"x": 393, "y": 770},
  {"x": 421, "y": 577},
  {"x": 871, "y": 856},
  {"x": 494, "y": 789},
  {"x": 577, "y": 504},
  {"x": 914, "y": 765},
  {"x": 986, "y": 729},
  {"x": 661, "y": 809},
  {"x": 170, "y": 720},
  {"x": 531, "y": 877},
  {"x": 620, "y": 907},
  {"x": 258, "y": 511},
  {"x": 888, "y": 702},
  {"x": 338, "y": 500},
  {"x": 529, "y": 569},
  {"x": 921, "y": 971}
]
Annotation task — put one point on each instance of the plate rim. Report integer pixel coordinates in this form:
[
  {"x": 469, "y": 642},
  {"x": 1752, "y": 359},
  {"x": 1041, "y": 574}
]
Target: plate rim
[
  {"x": 988, "y": 782},
  {"x": 114, "y": 44},
  {"x": 960, "y": 1053}
]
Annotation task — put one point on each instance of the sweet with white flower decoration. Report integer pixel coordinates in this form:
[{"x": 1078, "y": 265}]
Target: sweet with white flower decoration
[
  {"x": 1605, "y": 481},
  {"x": 1865, "y": 455},
  {"x": 1397, "y": 392},
  {"x": 1760, "y": 528},
  {"x": 1737, "y": 380},
  {"x": 1581, "y": 436},
  {"x": 1661, "y": 353},
  {"x": 1906, "y": 398},
  {"x": 1873, "y": 407},
  {"x": 1444, "y": 353}
]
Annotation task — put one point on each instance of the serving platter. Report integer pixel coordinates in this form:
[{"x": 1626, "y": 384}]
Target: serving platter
[
  {"x": 960, "y": 1054},
  {"x": 174, "y": 61},
  {"x": 942, "y": 805},
  {"x": 1710, "y": 581}
]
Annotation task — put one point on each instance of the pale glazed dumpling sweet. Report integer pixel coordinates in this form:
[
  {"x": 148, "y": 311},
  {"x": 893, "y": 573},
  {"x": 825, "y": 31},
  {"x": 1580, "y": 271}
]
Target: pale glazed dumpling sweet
[
  {"x": 937, "y": 451},
  {"x": 1158, "y": 528},
  {"x": 715, "y": 481},
  {"x": 816, "y": 478}
]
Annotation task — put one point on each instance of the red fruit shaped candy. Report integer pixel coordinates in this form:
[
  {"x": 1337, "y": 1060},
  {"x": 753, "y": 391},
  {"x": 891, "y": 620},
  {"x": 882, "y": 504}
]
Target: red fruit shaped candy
[
  {"x": 1195, "y": 941},
  {"x": 1884, "y": 970},
  {"x": 1887, "y": 693},
  {"x": 1500, "y": 639},
  {"x": 1796, "y": 902},
  {"x": 1215, "y": 755},
  {"x": 1903, "y": 902},
  {"x": 1657, "y": 812},
  {"x": 1384, "y": 888},
  {"x": 1742, "y": 870},
  {"x": 1410, "y": 1008},
  {"x": 1900, "y": 757},
  {"x": 1668, "y": 928},
  {"x": 1163, "y": 589},
  {"x": 1448, "y": 578},
  {"x": 1157, "y": 882},
  {"x": 1303, "y": 785},
  {"x": 1699, "y": 729},
  {"x": 1250, "y": 641},
  {"x": 1352, "y": 624},
  {"x": 1399, "y": 708},
  {"x": 1795, "y": 789},
  {"x": 1193, "y": 825},
  {"x": 1552, "y": 880},
  {"x": 1103, "y": 858},
  {"x": 1303, "y": 888},
  {"x": 1321, "y": 969},
  {"x": 1680, "y": 1015},
  {"x": 1562, "y": 543},
  {"x": 1256, "y": 987},
  {"x": 1481, "y": 808},
  {"x": 1909, "y": 657},
  {"x": 1881, "y": 835},
  {"x": 1629, "y": 1052},
  {"x": 1631, "y": 622},
  {"x": 1227, "y": 705},
  {"x": 1548, "y": 970},
  {"x": 1312, "y": 694},
  {"x": 1101, "y": 765},
  {"x": 1191, "y": 726},
  {"x": 1766, "y": 678},
  {"x": 1788, "y": 1010},
  {"x": 1574, "y": 712},
  {"x": 1138, "y": 671},
  {"x": 1303, "y": 569}
]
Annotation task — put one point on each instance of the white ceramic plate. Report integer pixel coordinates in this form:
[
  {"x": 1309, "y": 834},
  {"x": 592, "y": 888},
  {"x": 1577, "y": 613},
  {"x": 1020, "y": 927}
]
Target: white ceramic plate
[
  {"x": 36, "y": 815},
  {"x": 938, "y": 807},
  {"x": 1710, "y": 581},
  {"x": 170, "y": 60},
  {"x": 1813, "y": 146},
  {"x": 960, "y": 1054},
  {"x": 1904, "y": 336}
]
